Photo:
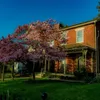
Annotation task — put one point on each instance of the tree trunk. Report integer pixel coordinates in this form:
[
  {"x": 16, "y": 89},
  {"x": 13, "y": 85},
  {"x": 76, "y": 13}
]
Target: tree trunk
[
  {"x": 13, "y": 72},
  {"x": 44, "y": 65},
  {"x": 78, "y": 64},
  {"x": 0, "y": 72},
  {"x": 64, "y": 68},
  {"x": 3, "y": 72},
  {"x": 49, "y": 65},
  {"x": 33, "y": 71}
]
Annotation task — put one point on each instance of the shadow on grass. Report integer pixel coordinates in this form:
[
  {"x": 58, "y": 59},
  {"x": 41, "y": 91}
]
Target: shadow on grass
[{"x": 30, "y": 81}]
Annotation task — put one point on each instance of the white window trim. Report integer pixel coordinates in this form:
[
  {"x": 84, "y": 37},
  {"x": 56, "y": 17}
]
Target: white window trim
[{"x": 80, "y": 29}]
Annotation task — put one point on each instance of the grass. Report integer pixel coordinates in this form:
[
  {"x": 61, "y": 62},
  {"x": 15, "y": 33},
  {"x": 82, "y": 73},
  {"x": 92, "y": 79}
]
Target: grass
[{"x": 55, "y": 90}]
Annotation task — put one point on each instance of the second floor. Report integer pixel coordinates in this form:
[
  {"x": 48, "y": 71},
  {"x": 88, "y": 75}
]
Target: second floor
[{"x": 83, "y": 33}]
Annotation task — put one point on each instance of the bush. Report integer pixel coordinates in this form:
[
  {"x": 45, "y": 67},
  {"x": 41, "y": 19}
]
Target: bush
[
  {"x": 88, "y": 79},
  {"x": 45, "y": 74},
  {"x": 95, "y": 80},
  {"x": 92, "y": 75},
  {"x": 80, "y": 73},
  {"x": 54, "y": 76},
  {"x": 63, "y": 77}
]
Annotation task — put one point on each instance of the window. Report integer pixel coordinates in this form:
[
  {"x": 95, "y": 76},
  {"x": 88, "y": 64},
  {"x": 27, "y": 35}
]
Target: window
[{"x": 79, "y": 35}]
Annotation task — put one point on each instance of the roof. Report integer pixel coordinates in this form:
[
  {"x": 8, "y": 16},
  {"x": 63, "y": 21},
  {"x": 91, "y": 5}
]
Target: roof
[
  {"x": 77, "y": 47},
  {"x": 80, "y": 24}
]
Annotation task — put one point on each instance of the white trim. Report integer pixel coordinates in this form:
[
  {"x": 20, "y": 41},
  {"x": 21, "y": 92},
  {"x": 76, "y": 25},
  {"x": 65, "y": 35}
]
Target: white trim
[{"x": 77, "y": 29}]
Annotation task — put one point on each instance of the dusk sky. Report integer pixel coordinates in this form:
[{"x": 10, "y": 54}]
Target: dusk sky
[{"x": 18, "y": 12}]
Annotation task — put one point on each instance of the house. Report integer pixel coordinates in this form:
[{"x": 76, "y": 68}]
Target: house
[{"x": 82, "y": 47}]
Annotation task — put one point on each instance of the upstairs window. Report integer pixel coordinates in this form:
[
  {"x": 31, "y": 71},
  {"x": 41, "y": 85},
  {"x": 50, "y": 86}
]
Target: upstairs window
[{"x": 79, "y": 35}]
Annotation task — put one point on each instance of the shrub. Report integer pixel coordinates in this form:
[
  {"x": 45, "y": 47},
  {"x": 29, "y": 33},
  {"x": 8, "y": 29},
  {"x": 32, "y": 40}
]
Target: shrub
[
  {"x": 63, "y": 77},
  {"x": 88, "y": 79},
  {"x": 95, "y": 80},
  {"x": 45, "y": 74},
  {"x": 80, "y": 73}
]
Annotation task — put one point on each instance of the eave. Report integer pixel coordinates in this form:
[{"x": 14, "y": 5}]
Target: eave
[{"x": 79, "y": 25}]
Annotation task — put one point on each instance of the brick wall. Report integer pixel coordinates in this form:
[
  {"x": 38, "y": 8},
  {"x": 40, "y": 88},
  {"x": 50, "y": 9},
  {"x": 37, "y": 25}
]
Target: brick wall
[{"x": 89, "y": 35}]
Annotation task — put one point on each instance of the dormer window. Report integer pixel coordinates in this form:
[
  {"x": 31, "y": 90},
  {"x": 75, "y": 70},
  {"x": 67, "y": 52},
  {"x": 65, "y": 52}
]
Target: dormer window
[{"x": 79, "y": 35}]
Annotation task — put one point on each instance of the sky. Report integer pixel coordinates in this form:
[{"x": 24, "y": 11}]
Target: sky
[{"x": 19, "y": 12}]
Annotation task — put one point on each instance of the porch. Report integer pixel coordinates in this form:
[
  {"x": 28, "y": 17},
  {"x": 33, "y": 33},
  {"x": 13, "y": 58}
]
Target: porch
[{"x": 78, "y": 56}]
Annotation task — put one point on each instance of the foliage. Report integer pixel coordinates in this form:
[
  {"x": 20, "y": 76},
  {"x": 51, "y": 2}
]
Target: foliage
[
  {"x": 80, "y": 73},
  {"x": 40, "y": 31},
  {"x": 11, "y": 51},
  {"x": 32, "y": 42},
  {"x": 96, "y": 79},
  {"x": 38, "y": 37},
  {"x": 88, "y": 79},
  {"x": 63, "y": 25}
]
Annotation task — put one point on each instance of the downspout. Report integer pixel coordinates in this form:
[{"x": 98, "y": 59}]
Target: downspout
[
  {"x": 96, "y": 47},
  {"x": 97, "y": 52}
]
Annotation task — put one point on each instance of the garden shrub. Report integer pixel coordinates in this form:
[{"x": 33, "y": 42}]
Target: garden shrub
[
  {"x": 45, "y": 74},
  {"x": 54, "y": 76},
  {"x": 95, "y": 80},
  {"x": 88, "y": 79},
  {"x": 80, "y": 73}
]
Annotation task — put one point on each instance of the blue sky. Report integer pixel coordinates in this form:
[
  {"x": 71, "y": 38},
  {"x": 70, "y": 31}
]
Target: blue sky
[{"x": 18, "y": 12}]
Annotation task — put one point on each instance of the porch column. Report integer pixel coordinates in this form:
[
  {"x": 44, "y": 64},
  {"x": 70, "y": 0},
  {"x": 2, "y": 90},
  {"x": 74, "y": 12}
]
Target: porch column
[
  {"x": 92, "y": 62},
  {"x": 64, "y": 64},
  {"x": 48, "y": 65},
  {"x": 85, "y": 55}
]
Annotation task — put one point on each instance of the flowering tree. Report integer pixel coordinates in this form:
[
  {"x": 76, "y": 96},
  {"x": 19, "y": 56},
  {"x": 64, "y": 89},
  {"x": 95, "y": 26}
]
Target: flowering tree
[
  {"x": 41, "y": 35},
  {"x": 11, "y": 51}
]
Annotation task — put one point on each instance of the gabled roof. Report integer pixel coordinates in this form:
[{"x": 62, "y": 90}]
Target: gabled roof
[{"x": 80, "y": 24}]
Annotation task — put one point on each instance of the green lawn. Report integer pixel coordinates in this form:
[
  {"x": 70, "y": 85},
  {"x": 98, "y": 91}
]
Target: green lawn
[{"x": 55, "y": 90}]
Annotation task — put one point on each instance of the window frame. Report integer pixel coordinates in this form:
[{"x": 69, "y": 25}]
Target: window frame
[{"x": 77, "y": 30}]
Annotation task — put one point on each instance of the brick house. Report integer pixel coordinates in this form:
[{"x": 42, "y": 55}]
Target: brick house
[{"x": 82, "y": 47}]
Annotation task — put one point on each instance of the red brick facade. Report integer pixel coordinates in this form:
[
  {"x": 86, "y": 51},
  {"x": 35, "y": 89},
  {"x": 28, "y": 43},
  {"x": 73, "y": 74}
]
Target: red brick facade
[
  {"x": 88, "y": 41},
  {"x": 89, "y": 35}
]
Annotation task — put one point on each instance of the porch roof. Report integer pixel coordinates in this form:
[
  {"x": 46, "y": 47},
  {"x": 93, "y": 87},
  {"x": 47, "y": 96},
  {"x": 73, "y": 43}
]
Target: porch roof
[{"x": 76, "y": 48}]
